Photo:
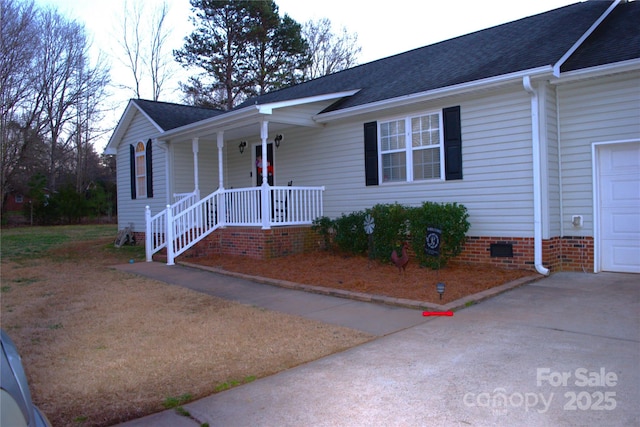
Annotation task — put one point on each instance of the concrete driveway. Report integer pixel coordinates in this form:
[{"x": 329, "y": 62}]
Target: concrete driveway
[{"x": 563, "y": 351}]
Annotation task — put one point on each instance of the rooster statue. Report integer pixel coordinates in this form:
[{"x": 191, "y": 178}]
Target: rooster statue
[{"x": 402, "y": 260}]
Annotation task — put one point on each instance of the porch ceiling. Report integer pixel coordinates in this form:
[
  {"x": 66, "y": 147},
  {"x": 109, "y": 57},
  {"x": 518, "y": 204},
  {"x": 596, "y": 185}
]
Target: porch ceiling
[{"x": 248, "y": 128}]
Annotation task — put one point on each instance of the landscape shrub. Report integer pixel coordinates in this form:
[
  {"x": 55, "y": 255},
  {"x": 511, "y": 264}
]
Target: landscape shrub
[
  {"x": 349, "y": 233},
  {"x": 395, "y": 224}
]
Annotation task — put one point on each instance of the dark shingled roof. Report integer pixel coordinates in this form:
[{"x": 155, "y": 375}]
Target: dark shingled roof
[
  {"x": 616, "y": 39},
  {"x": 535, "y": 41},
  {"x": 170, "y": 116}
]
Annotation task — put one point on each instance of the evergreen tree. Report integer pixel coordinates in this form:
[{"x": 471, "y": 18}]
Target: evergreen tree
[{"x": 243, "y": 48}]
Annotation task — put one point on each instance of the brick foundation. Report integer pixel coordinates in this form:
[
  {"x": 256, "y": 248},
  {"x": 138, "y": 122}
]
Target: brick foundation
[{"x": 566, "y": 253}]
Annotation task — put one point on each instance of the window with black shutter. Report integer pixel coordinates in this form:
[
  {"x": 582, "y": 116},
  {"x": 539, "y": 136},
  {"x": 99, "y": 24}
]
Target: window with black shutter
[
  {"x": 413, "y": 148},
  {"x": 371, "y": 153},
  {"x": 452, "y": 143},
  {"x": 141, "y": 163}
]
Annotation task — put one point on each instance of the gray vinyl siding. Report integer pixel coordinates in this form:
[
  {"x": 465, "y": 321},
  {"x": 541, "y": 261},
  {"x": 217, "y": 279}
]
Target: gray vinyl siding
[
  {"x": 497, "y": 184},
  {"x": 182, "y": 173},
  {"x": 182, "y": 168},
  {"x": 133, "y": 211},
  {"x": 551, "y": 204},
  {"x": 607, "y": 109}
]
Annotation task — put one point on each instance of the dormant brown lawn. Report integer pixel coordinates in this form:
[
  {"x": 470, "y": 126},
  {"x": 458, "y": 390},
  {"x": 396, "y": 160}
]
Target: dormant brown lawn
[{"x": 101, "y": 346}]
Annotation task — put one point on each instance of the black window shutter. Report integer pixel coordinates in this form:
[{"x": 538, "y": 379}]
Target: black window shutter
[
  {"x": 132, "y": 160},
  {"x": 149, "y": 160},
  {"x": 371, "y": 153},
  {"x": 452, "y": 143}
]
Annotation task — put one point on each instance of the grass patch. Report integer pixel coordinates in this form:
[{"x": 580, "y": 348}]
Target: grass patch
[
  {"x": 27, "y": 242},
  {"x": 172, "y": 402},
  {"x": 233, "y": 383},
  {"x": 25, "y": 281}
]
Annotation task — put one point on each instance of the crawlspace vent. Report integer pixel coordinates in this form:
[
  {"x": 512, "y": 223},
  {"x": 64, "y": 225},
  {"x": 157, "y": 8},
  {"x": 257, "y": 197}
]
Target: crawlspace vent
[{"x": 501, "y": 250}]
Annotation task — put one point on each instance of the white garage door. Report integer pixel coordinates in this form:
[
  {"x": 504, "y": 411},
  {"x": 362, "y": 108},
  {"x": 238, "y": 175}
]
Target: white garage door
[{"x": 619, "y": 168}]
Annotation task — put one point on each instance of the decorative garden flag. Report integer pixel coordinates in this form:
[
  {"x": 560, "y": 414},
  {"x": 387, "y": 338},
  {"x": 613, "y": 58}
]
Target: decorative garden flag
[{"x": 432, "y": 241}]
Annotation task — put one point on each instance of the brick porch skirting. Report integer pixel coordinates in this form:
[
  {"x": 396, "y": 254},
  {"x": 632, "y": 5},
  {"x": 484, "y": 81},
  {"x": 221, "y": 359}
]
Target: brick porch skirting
[{"x": 256, "y": 243}]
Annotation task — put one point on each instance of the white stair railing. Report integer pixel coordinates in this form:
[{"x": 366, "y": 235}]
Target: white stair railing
[{"x": 181, "y": 225}]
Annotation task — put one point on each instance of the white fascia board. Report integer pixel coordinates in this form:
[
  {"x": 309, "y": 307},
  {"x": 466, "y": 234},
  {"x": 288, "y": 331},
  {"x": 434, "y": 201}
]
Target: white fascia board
[
  {"x": 577, "y": 44},
  {"x": 599, "y": 71},
  {"x": 222, "y": 122},
  {"x": 248, "y": 115},
  {"x": 269, "y": 107},
  {"x": 435, "y": 93},
  {"x": 123, "y": 123}
]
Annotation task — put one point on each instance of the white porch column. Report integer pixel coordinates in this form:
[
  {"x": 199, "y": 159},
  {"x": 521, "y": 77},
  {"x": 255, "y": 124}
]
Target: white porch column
[
  {"x": 195, "y": 148},
  {"x": 221, "y": 202},
  {"x": 220, "y": 160},
  {"x": 265, "y": 190}
]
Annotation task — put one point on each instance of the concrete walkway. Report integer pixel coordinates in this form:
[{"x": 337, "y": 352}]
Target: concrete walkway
[{"x": 564, "y": 350}]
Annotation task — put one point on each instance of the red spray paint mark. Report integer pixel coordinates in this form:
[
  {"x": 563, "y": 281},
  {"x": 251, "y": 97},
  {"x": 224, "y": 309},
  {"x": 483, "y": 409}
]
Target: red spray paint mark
[{"x": 437, "y": 313}]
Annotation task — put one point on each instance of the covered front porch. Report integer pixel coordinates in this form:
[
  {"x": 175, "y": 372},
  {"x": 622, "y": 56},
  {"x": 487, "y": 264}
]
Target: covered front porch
[{"x": 247, "y": 193}]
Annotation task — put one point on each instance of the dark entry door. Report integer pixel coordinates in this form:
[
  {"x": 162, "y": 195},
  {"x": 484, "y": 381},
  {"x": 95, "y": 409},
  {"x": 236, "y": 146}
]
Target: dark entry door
[{"x": 258, "y": 165}]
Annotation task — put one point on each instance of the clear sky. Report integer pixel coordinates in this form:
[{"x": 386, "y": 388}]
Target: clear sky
[{"x": 384, "y": 27}]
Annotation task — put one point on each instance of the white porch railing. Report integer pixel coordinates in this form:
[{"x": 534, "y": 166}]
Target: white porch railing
[
  {"x": 188, "y": 221},
  {"x": 182, "y": 201}
]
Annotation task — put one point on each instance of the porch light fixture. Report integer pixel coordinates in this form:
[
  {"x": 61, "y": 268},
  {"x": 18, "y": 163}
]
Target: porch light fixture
[
  {"x": 440, "y": 289},
  {"x": 242, "y": 145},
  {"x": 278, "y": 140}
]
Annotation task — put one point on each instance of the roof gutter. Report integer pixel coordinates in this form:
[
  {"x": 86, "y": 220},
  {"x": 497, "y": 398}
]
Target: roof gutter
[
  {"x": 463, "y": 88},
  {"x": 537, "y": 177}
]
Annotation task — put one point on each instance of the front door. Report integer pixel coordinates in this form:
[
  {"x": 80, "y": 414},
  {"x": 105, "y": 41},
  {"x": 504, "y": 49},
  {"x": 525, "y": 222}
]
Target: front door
[{"x": 258, "y": 164}]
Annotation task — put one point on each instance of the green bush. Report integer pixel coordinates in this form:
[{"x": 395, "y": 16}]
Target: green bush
[
  {"x": 395, "y": 224},
  {"x": 350, "y": 236},
  {"x": 391, "y": 229}
]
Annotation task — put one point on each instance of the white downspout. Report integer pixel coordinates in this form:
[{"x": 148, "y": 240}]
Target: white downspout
[{"x": 537, "y": 178}]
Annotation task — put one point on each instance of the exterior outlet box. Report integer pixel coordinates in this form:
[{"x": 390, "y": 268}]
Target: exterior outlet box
[{"x": 576, "y": 220}]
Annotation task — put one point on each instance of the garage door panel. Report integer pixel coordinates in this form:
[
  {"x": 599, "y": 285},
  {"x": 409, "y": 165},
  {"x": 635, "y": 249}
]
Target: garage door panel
[
  {"x": 622, "y": 226},
  {"x": 622, "y": 258},
  {"x": 621, "y": 192},
  {"x": 619, "y": 158}
]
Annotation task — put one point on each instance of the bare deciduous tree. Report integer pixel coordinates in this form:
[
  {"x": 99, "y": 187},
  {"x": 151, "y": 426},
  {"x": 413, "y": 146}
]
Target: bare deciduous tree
[
  {"x": 143, "y": 43},
  {"x": 18, "y": 104},
  {"x": 50, "y": 95},
  {"x": 329, "y": 52}
]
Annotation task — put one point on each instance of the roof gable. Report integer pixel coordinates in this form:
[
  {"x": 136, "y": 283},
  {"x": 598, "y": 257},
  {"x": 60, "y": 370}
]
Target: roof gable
[
  {"x": 163, "y": 116},
  {"x": 617, "y": 39}
]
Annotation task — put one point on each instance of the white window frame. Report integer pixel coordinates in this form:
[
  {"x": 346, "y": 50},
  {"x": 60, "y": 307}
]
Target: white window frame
[
  {"x": 408, "y": 150},
  {"x": 141, "y": 175}
]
